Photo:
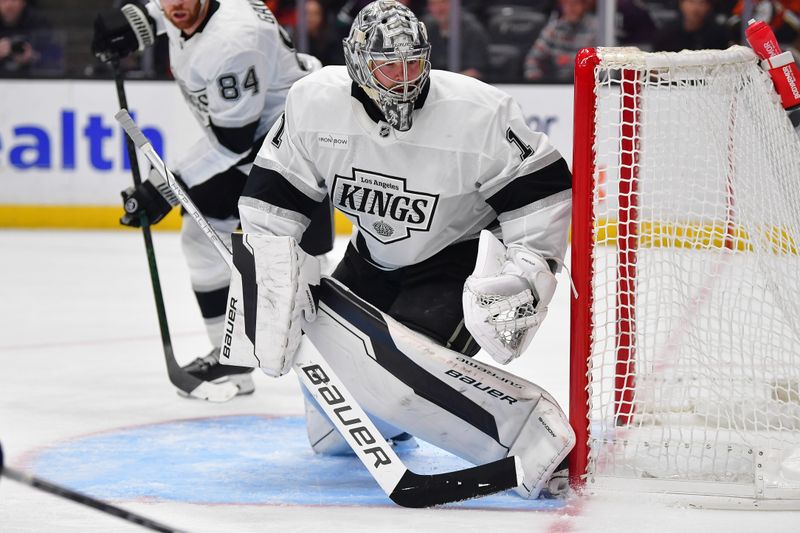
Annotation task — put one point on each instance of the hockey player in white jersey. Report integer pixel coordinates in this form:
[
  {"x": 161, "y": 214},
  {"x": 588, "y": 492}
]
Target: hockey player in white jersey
[
  {"x": 234, "y": 65},
  {"x": 434, "y": 169}
]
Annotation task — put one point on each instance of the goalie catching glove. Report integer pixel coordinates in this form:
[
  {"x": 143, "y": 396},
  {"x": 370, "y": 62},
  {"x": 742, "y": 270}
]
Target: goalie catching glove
[
  {"x": 269, "y": 301},
  {"x": 506, "y": 297}
]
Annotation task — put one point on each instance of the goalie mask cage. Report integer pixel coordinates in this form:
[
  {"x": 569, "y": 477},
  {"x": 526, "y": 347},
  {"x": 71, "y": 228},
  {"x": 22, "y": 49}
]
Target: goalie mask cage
[{"x": 685, "y": 363}]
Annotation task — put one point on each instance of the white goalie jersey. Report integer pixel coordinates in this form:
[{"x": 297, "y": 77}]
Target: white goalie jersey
[
  {"x": 234, "y": 73},
  {"x": 469, "y": 162}
]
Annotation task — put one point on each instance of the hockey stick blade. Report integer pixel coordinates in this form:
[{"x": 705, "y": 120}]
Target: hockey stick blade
[
  {"x": 63, "y": 492},
  {"x": 198, "y": 388},
  {"x": 404, "y": 487},
  {"x": 418, "y": 490}
]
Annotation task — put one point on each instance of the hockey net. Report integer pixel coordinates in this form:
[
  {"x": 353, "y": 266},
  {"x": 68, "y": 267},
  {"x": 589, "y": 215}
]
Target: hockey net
[{"x": 685, "y": 243}]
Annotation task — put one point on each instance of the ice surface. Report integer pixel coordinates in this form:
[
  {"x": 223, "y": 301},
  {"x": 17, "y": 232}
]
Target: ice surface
[{"x": 83, "y": 370}]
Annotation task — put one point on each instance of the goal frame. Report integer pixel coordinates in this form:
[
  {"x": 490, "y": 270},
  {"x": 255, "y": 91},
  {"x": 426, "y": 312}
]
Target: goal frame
[
  {"x": 583, "y": 168},
  {"x": 582, "y": 248}
]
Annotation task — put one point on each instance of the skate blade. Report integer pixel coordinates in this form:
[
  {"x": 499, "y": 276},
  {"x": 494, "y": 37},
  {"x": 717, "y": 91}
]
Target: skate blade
[{"x": 222, "y": 389}]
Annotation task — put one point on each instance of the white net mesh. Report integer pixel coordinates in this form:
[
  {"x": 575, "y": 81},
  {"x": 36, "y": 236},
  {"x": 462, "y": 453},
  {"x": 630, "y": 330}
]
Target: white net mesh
[
  {"x": 695, "y": 358},
  {"x": 511, "y": 316}
]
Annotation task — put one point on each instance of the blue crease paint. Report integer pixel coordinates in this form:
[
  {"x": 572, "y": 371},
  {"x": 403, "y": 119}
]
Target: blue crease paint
[{"x": 235, "y": 460}]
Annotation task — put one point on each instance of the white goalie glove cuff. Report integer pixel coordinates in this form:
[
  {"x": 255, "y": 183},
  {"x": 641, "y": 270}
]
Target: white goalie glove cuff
[
  {"x": 535, "y": 270},
  {"x": 506, "y": 298}
]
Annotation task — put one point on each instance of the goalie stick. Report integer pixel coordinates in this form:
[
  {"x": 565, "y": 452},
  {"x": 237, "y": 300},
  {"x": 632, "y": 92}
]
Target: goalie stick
[
  {"x": 184, "y": 381},
  {"x": 403, "y": 486},
  {"x": 57, "y": 490}
]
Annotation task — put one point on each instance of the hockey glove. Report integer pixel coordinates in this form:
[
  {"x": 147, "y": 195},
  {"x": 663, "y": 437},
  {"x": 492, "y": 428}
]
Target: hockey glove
[
  {"x": 505, "y": 299},
  {"x": 120, "y": 32},
  {"x": 153, "y": 197}
]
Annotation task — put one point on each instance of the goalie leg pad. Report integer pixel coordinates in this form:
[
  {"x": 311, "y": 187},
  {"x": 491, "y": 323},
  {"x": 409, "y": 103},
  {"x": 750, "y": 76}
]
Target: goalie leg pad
[
  {"x": 543, "y": 443},
  {"x": 325, "y": 438},
  {"x": 322, "y": 435},
  {"x": 473, "y": 410}
]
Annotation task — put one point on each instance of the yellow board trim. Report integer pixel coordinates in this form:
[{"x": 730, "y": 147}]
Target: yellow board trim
[
  {"x": 654, "y": 234},
  {"x": 651, "y": 234},
  {"x": 97, "y": 217}
]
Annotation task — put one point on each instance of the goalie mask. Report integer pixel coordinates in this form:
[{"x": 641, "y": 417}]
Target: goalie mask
[{"x": 387, "y": 53}]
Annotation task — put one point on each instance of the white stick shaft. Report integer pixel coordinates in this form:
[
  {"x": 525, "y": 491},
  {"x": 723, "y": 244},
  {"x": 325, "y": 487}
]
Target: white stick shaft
[{"x": 149, "y": 152}]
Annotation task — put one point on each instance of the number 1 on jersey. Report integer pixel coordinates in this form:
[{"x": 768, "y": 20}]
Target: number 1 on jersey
[{"x": 524, "y": 148}]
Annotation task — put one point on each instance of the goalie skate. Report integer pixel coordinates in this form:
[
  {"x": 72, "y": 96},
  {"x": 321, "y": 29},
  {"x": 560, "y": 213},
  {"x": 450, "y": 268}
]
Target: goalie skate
[{"x": 208, "y": 368}]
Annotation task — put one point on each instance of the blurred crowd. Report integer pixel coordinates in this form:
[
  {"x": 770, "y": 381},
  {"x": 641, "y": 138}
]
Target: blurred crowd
[
  {"x": 28, "y": 42},
  {"x": 501, "y": 41}
]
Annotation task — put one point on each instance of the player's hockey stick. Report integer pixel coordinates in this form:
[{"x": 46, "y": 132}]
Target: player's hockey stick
[
  {"x": 205, "y": 390},
  {"x": 403, "y": 486},
  {"x": 52, "y": 488}
]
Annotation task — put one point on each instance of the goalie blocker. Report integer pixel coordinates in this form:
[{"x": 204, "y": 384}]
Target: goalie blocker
[{"x": 471, "y": 409}]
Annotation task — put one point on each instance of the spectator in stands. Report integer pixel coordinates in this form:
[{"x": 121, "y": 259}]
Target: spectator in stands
[
  {"x": 474, "y": 56},
  {"x": 22, "y": 36},
  {"x": 552, "y": 56},
  {"x": 417, "y": 6},
  {"x": 635, "y": 26},
  {"x": 346, "y": 11},
  {"x": 696, "y": 29},
  {"x": 324, "y": 42}
]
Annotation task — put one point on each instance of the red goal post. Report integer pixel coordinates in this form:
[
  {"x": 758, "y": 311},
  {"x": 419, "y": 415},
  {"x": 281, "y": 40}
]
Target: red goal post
[{"x": 685, "y": 332}]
